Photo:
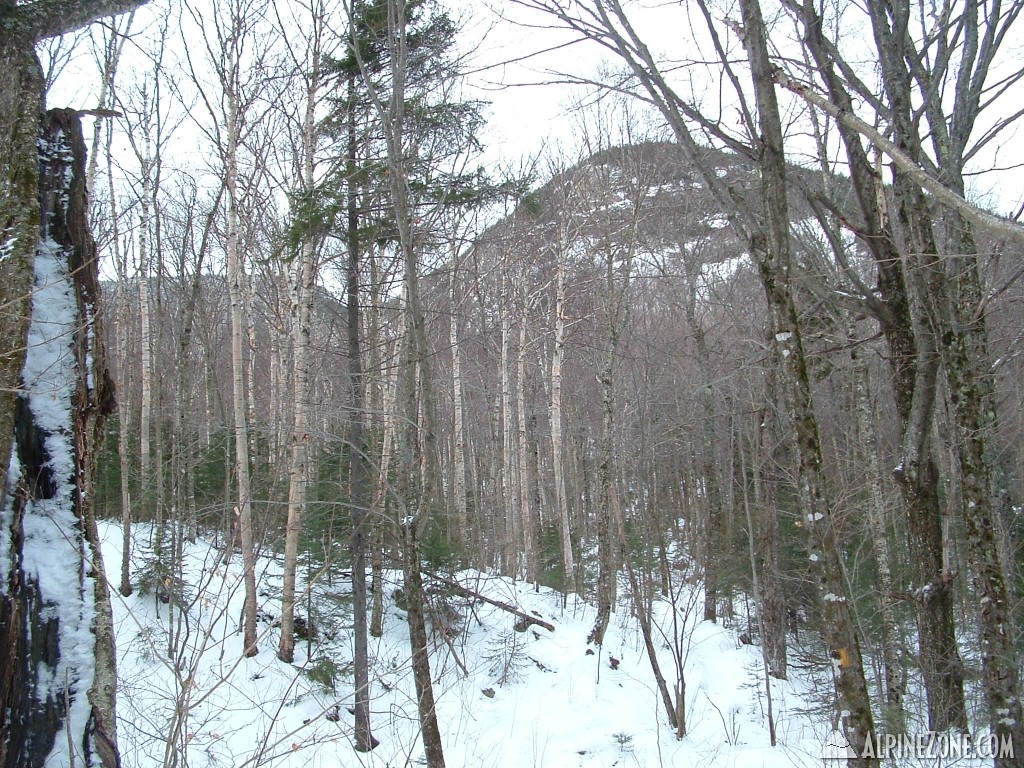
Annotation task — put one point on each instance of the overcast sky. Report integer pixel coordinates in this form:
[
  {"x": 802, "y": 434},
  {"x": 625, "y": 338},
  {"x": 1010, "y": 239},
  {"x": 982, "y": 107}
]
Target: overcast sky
[{"x": 516, "y": 54}]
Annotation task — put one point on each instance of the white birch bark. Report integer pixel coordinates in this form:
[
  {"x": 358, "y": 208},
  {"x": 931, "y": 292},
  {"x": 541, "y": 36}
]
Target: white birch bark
[
  {"x": 236, "y": 295},
  {"x": 145, "y": 335},
  {"x": 304, "y": 282},
  {"x": 525, "y": 505},
  {"x": 458, "y": 437},
  {"x": 557, "y": 450},
  {"x": 508, "y": 482}
]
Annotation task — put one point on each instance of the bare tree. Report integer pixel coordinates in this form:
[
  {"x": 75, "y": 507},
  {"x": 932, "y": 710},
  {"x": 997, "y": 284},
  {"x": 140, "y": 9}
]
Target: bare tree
[
  {"x": 307, "y": 61},
  {"x": 236, "y": 60},
  {"x": 764, "y": 230},
  {"x": 934, "y": 314}
]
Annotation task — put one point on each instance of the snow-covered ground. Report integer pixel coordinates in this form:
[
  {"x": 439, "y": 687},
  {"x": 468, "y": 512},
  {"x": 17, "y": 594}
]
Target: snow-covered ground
[{"x": 505, "y": 698}]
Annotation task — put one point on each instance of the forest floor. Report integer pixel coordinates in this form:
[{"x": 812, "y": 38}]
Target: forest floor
[{"x": 505, "y": 697}]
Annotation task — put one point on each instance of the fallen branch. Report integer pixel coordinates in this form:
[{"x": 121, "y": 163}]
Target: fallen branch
[{"x": 496, "y": 603}]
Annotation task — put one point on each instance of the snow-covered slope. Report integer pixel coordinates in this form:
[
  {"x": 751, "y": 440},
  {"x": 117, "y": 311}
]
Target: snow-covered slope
[{"x": 505, "y": 697}]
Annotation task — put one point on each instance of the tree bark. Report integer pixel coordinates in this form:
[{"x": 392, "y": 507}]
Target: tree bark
[
  {"x": 236, "y": 291},
  {"x": 458, "y": 415},
  {"x": 773, "y": 600},
  {"x": 415, "y": 441},
  {"x": 303, "y": 287},
  {"x": 21, "y": 110},
  {"x": 146, "y": 478},
  {"x": 971, "y": 390},
  {"x": 557, "y": 449},
  {"x": 509, "y": 486},
  {"x": 607, "y": 561},
  {"x": 913, "y": 366},
  {"x": 526, "y": 514},
  {"x": 772, "y": 251},
  {"x": 122, "y": 323},
  {"x": 35, "y": 717},
  {"x": 40, "y": 623},
  {"x": 360, "y": 493},
  {"x": 895, "y": 717}
]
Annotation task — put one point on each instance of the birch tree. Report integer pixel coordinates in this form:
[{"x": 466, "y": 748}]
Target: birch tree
[
  {"x": 235, "y": 59},
  {"x": 307, "y": 61}
]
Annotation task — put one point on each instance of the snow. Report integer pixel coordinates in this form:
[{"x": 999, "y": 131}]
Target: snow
[
  {"x": 13, "y": 475},
  {"x": 7, "y": 248},
  {"x": 50, "y": 551},
  {"x": 51, "y": 548},
  {"x": 530, "y": 698}
]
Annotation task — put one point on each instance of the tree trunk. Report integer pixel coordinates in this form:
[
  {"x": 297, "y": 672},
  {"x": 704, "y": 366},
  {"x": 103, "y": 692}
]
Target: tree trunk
[
  {"x": 21, "y": 109},
  {"x": 522, "y": 453},
  {"x": 303, "y": 287},
  {"x": 236, "y": 295},
  {"x": 145, "y": 336},
  {"x": 360, "y": 493},
  {"x": 895, "y": 718},
  {"x": 557, "y": 449},
  {"x": 913, "y": 365},
  {"x": 773, "y": 600},
  {"x": 509, "y": 493},
  {"x": 772, "y": 251},
  {"x": 382, "y": 488},
  {"x": 416, "y": 439},
  {"x": 122, "y": 323},
  {"x": 67, "y": 395},
  {"x": 971, "y": 390},
  {"x": 607, "y": 562},
  {"x": 458, "y": 416}
]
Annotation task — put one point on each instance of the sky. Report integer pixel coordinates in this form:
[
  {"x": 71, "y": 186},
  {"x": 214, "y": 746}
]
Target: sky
[
  {"x": 521, "y": 67},
  {"x": 516, "y": 58}
]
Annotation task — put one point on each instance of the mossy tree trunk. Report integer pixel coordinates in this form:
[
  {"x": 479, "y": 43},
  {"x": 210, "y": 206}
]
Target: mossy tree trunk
[
  {"x": 913, "y": 368},
  {"x": 771, "y": 248},
  {"x": 65, "y": 398},
  {"x": 29, "y": 720}
]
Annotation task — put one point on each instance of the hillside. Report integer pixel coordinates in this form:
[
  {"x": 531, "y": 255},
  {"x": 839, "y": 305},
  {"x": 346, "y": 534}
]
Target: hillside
[{"x": 506, "y": 698}]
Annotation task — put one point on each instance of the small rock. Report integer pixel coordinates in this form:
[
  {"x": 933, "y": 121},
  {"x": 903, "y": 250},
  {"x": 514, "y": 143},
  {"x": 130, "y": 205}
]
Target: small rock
[{"x": 488, "y": 692}]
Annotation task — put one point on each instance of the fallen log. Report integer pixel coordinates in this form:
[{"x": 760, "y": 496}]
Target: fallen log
[{"x": 467, "y": 592}]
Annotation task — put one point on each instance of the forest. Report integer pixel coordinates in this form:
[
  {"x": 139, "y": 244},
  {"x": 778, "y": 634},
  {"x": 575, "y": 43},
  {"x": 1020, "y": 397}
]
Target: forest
[{"x": 337, "y": 437}]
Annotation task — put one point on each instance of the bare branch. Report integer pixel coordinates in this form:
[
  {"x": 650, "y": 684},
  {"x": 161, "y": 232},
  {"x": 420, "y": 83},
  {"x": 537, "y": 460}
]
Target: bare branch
[
  {"x": 49, "y": 18},
  {"x": 996, "y": 224}
]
